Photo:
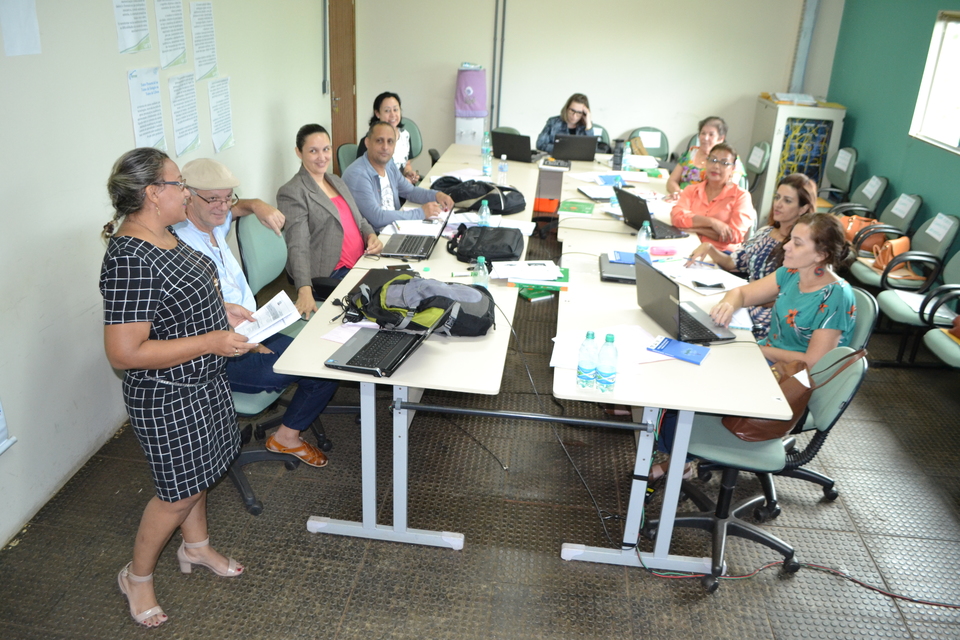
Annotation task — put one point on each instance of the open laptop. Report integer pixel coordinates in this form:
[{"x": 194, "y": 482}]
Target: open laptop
[
  {"x": 659, "y": 297},
  {"x": 380, "y": 352},
  {"x": 566, "y": 147},
  {"x": 635, "y": 213},
  {"x": 413, "y": 247},
  {"x": 515, "y": 147}
]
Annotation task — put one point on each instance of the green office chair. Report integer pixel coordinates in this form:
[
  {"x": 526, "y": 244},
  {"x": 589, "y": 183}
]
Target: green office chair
[
  {"x": 710, "y": 441},
  {"x": 661, "y": 152},
  {"x": 761, "y": 153},
  {"x": 601, "y": 131},
  {"x": 416, "y": 140},
  {"x": 936, "y": 310},
  {"x": 346, "y": 154},
  {"x": 899, "y": 214},
  {"x": 864, "y": 198},
  {"x": 943, "y": 346},
  {"x": 840, "y": 178},
  {"x": 515, "y": 132},
  {"x": 264, "y": 256},
  {"x": 925, "y": 257}
]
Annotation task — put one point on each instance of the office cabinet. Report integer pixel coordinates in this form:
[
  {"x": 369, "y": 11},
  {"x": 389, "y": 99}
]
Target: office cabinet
[{"x": 801, "y": 140}]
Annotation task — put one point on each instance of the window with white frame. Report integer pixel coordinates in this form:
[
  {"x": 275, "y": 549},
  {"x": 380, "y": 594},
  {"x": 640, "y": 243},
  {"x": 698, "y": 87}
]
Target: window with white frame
[{"x": 936, "y": 118}]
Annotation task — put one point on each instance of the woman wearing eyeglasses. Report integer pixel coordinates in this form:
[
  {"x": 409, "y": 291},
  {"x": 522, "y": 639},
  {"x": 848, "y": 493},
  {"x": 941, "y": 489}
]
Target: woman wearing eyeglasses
[
  {"x": 574, "y": 120},
  {"x": 717, "y": 209},
  {"x": 167, "y": 328},
  {"x": 692, "y": 165}
]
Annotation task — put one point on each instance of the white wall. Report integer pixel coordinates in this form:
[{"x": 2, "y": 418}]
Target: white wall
[
  {"x": 64, "y": 120},
  {"x": 641, "y": 62}
]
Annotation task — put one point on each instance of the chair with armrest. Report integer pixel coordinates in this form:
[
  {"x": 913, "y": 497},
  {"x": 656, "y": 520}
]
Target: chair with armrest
[
  {"x": 601, "y": 131},
  {"x": 899, "y": 213},
  {"x": 662, "y": 151},
  {"x": 756, "y": 164},
  {"x": 710, "y": 441},
  {"x": 918, "y": 311},
  {"x": 840, "y": 174},
  {"x": 416, "y": 140},
  {"x": 346, "y": 154},
  {"x": 923, "y": 262},
  {"x": 864, "y": 198},
  {"x": 264, "y": 256},
  {"x": 944, "y": 346}
]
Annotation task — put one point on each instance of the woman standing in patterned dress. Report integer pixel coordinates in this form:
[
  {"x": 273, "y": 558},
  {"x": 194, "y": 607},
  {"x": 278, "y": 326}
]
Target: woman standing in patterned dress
[{"x": 167, "y": 327}]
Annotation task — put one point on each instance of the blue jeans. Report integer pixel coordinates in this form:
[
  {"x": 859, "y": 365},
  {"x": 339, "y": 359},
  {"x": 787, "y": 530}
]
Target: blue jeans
[{"x": 253, "y": 373}]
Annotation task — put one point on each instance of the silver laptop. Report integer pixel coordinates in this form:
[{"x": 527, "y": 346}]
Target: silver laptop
[
  {"x": 617, "y": 271},
  {"x": 413, "y": 247},
  {"x": 659, "y": 297},
  {"x": 380, "y": 352}
]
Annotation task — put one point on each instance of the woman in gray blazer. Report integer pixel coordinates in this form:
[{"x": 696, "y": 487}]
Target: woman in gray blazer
[{"x": 325, "y": 232}]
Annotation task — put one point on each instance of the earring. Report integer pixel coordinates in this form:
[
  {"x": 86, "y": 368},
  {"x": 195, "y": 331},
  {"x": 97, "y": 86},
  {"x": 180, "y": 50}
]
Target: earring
[{"x": 158, "y": 211}]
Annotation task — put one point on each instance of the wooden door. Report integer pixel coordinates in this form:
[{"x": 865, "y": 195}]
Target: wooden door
[{"x": 343, "y": 75}]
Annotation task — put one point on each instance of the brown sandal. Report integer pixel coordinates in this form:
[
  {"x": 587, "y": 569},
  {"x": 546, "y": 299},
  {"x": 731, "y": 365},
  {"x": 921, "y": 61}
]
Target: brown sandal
[{"x": 307, "y": 453}]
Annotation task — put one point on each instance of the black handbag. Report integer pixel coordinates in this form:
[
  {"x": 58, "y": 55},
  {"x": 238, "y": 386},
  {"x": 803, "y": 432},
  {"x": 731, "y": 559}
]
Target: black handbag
[{"x": 495, "y": 244}]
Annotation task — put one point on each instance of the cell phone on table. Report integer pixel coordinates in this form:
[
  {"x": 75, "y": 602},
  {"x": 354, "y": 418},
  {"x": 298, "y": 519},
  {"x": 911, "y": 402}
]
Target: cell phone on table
[{"x": 708, "y": 287}]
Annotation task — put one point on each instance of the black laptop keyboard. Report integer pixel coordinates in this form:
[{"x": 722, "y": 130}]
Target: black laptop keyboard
[
  {"x": 414, "y": 245},
  {"x": 691, "y": 329},
  {"x": 373, "y": 353},
  {"x": 663, "y": 231}
]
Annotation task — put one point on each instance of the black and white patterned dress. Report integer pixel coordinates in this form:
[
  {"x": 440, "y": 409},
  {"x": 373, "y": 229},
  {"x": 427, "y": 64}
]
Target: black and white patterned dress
[{"x": 183, "y": 416}]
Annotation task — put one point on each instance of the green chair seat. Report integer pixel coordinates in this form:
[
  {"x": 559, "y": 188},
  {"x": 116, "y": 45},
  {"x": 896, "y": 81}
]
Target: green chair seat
[
  {"x": 943, "y": 346},
  {"x": 712, "y": 441}
]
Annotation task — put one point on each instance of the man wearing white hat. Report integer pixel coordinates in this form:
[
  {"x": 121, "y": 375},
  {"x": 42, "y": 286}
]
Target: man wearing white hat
[{"x": 213, "y": 205}]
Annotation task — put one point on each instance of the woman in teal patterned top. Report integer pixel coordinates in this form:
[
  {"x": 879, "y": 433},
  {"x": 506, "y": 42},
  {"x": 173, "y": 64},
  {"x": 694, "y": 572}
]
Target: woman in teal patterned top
[{"x": 814, "y": 309}]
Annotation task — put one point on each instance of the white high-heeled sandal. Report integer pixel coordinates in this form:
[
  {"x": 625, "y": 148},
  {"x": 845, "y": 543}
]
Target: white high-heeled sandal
[
  {"x": 234, "y": 568},
  {"x": 139, "y": 618}
]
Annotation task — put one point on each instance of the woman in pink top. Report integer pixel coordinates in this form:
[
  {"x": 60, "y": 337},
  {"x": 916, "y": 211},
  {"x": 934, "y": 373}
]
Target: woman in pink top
[
  {"x": 324, "y": 230},
  {"x": 717, "y": 209}
]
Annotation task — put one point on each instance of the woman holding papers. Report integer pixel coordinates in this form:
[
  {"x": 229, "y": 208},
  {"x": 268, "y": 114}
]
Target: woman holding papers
[
  {"x": 814, "y": 309},
  {"x": 762, "y": 254},
  {"x": 692, "y": 165},
  {"x": 717, "y": 209},
  {"x": 574, "y": 120},
  {"x": 167, "y": 327},
  {"x": 325, "y": 232}
]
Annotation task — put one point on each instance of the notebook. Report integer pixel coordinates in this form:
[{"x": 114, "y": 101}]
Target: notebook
[
  {"x": 567, "y": 147},
  {"x": 616, "y": 271},
  {"x": 635, "y": 213},
  {"x": 515, "y": 147},
  {"x": 659, "y": 297},
  {"x": 380, "y": 352},
  {"x": 414, "y": 247}
]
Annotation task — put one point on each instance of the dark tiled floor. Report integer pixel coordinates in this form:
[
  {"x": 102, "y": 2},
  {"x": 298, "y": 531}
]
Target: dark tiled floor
[{"x": 896, "y": 525}]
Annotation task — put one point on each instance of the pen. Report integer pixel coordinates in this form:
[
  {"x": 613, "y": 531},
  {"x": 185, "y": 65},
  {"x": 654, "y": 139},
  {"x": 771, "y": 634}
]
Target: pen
[{"x": 709, "y": 264}]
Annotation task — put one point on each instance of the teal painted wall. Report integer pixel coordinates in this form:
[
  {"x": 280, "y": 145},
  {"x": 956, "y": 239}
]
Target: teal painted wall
[{"x": 881, "y": 52}]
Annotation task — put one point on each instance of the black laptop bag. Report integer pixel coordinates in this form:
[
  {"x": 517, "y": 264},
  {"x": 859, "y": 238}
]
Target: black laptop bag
[
  {"x": 495, "y": 244},
  {"x": 469, "y": 194}
]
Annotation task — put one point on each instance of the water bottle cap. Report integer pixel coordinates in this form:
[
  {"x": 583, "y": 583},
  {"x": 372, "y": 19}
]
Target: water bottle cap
[
  {"x": 609, "y": 337},
  {"x": 503, "y": 156},
  {"x": 481, "y": 260},
  {"x": 589, "y": 335},
  {"x": 483, "y": 203}
]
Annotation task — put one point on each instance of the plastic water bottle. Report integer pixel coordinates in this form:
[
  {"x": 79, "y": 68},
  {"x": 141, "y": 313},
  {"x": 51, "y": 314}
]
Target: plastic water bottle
[
  {"x": 502, "y": 171},
  {"x": 587, "y": 363},
  {"x": 643, "y": 241},
  {"x": 480, "y": 273},
  {"x": 484, "y": 215},
  {"x": 486, "y": 150},
  {"x": 607, "y": 365}
]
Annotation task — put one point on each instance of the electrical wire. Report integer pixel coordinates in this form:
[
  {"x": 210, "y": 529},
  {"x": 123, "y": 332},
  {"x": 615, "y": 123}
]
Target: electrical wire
[{"x": 602, "y": 514}]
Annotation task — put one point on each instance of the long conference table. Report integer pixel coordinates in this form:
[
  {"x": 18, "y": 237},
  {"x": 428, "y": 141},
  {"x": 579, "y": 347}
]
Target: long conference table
[{"x": 710, "y": 387}]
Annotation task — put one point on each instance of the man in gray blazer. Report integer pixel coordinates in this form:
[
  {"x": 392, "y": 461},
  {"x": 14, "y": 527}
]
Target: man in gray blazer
[{"x": 377, "y": 184}]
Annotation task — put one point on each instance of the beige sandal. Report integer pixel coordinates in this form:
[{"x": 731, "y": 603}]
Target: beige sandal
[
  {"x": 234, "y": 568},
  {"x": 139, "y": 618}
]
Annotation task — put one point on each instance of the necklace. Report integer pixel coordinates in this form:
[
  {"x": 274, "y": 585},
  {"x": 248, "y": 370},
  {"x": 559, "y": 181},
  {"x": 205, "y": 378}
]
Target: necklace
[{"x": 164, "y": 240}]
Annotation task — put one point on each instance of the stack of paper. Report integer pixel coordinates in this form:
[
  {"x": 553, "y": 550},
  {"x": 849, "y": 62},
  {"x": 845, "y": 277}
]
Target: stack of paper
[
  {"x": 269, "y": 319},
  {"x": 532, "y": 274}
]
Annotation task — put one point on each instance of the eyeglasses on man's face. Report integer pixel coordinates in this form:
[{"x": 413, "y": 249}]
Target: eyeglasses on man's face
[{"x": 218, "y": 202}]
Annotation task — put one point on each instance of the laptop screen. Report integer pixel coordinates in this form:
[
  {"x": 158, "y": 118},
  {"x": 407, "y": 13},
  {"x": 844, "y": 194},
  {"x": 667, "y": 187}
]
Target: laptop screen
[{"x": 659, "y": 297}]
